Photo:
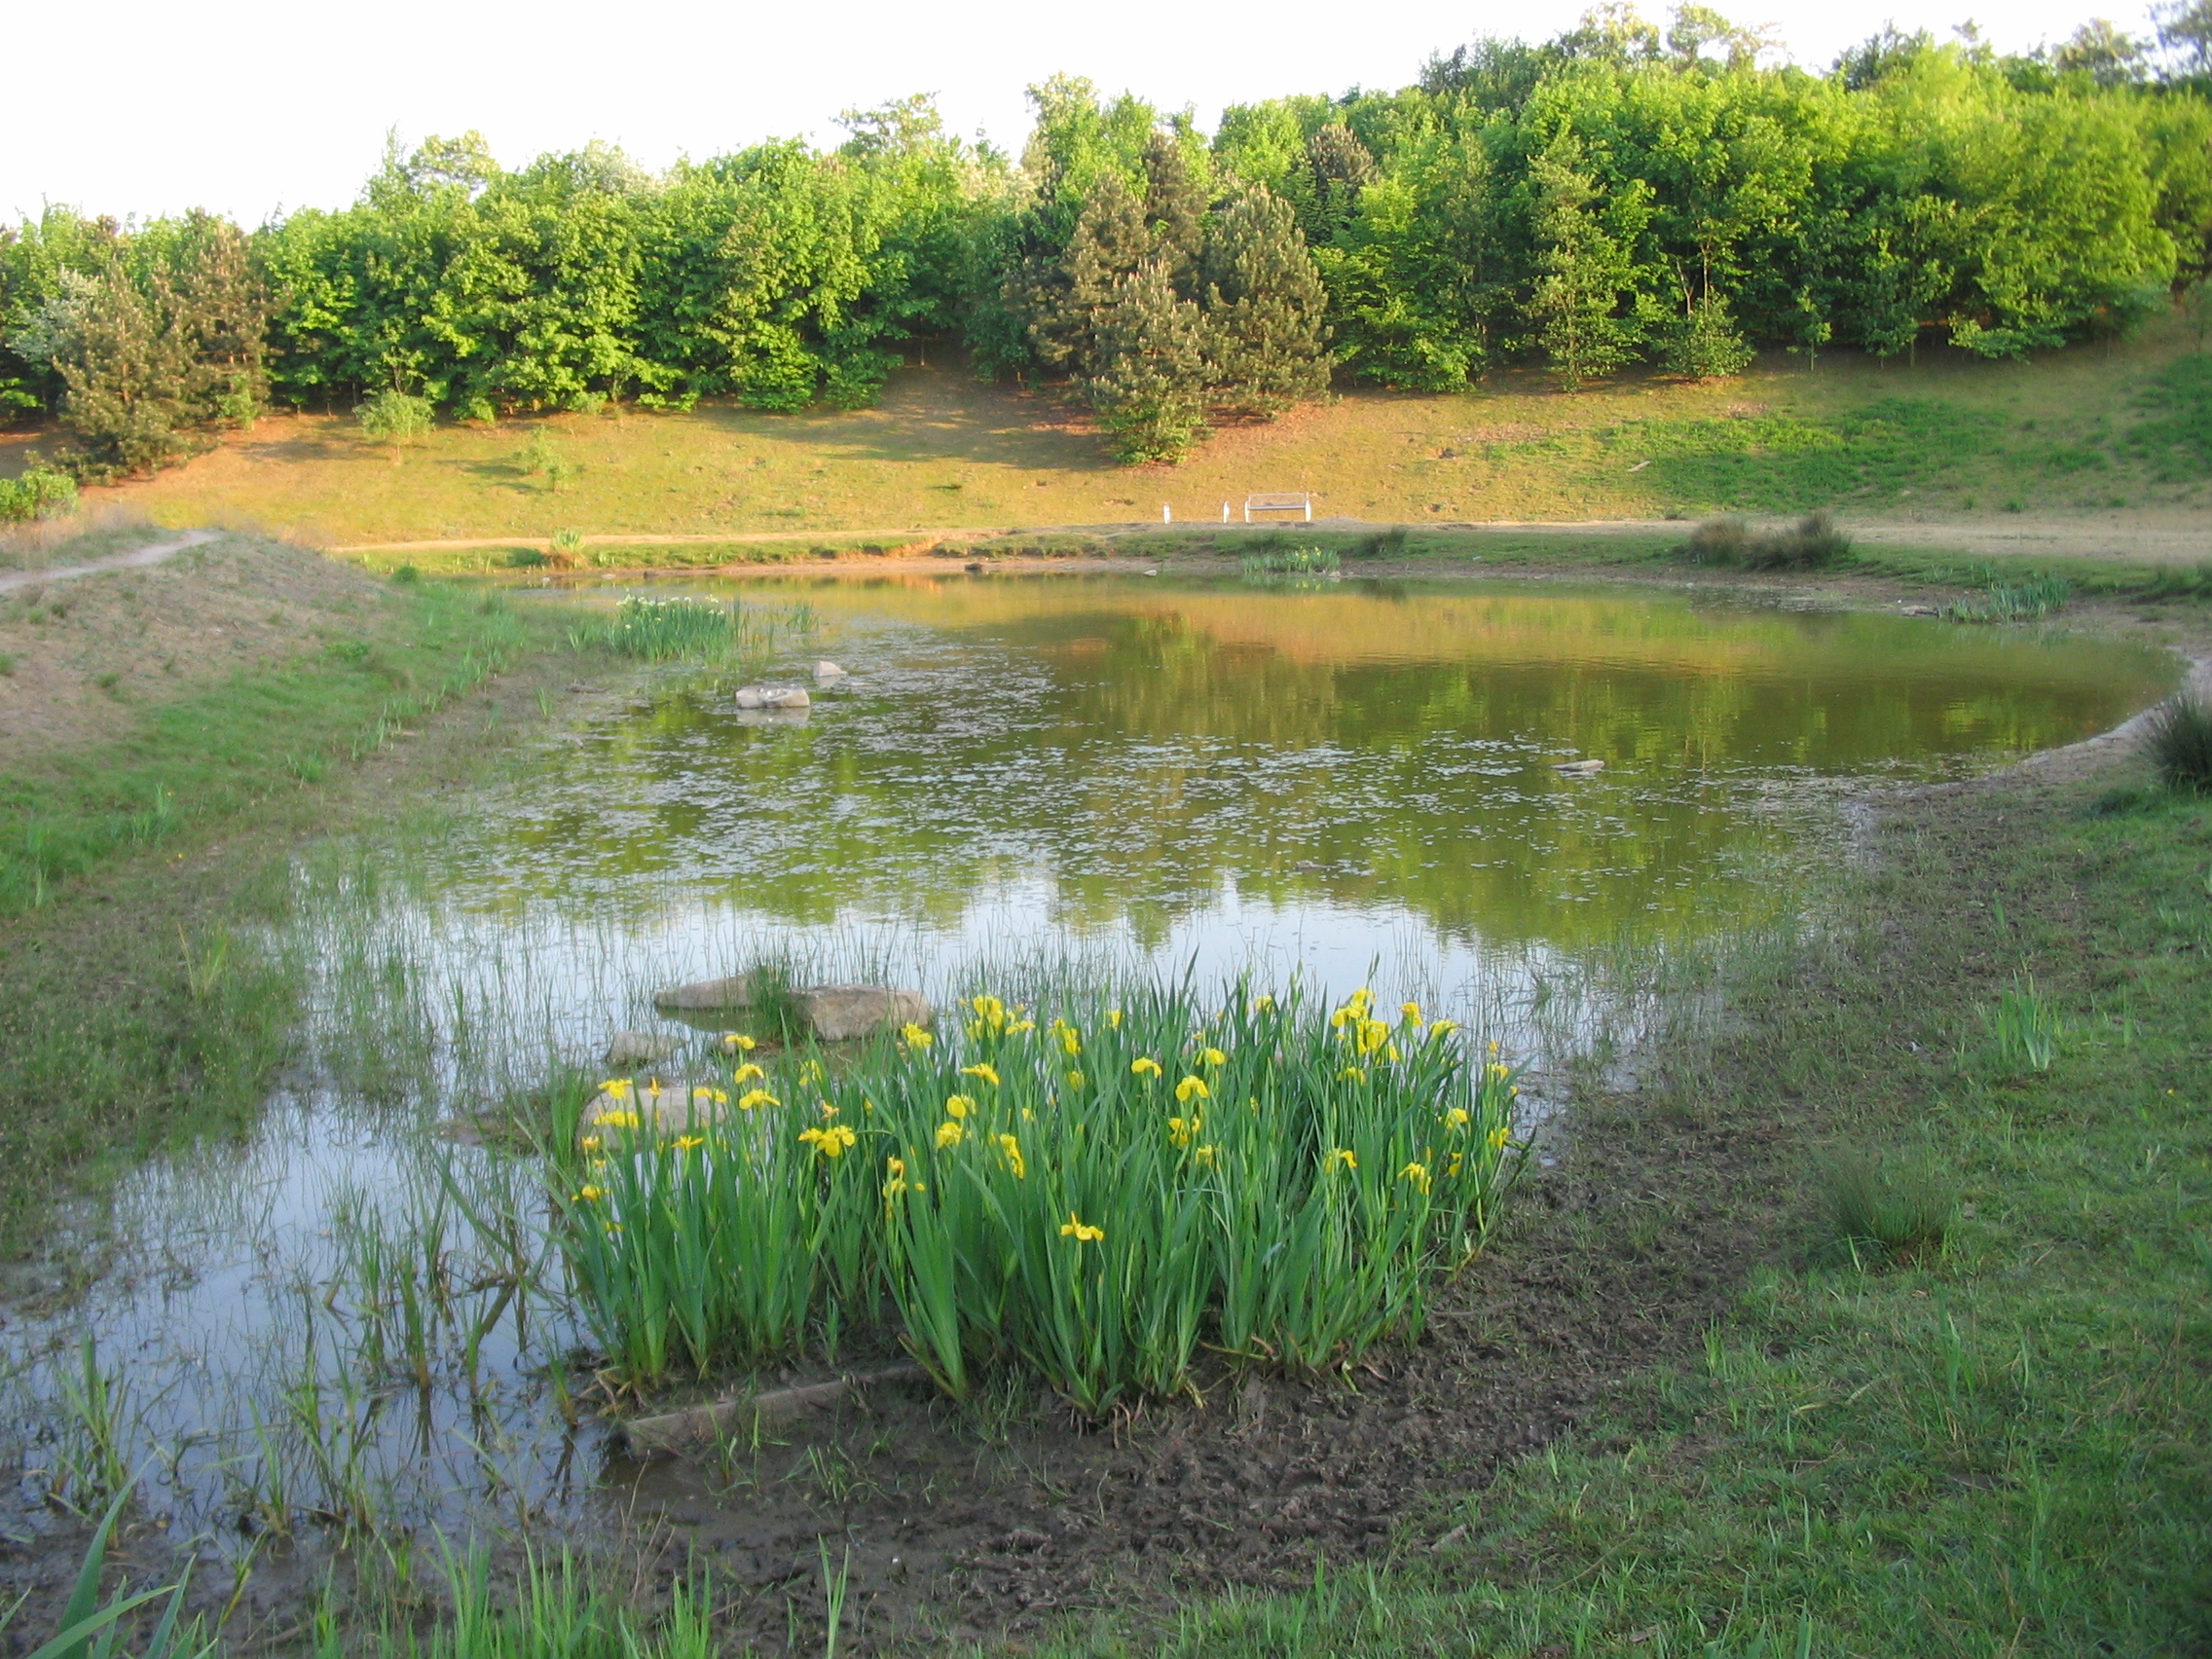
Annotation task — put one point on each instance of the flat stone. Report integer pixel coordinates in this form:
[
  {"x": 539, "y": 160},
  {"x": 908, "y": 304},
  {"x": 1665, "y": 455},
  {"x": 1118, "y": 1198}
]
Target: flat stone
[
  {"x": 706, "y": 995},
  {"x": 640, "y": 1049},
  {"x": 773, "y": 697},
  {"x": 662, "y": 1106},
  {"x": 1579, "y": 768},
  {"x": 827, "y": 670},
  {"x": 838, "y": 1013}
]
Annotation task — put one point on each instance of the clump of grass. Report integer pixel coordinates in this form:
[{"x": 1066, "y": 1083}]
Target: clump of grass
[
  {"x": 2027, "y": 600},
  {"x": 2178, "y": 739},
  {"x": 1091, "y": 1200},
  {"x": 525, "y": 559},
  {"x": 1900, "y": 1211},
  {"x": 2023, "y": 1028},
  {"x": 1383, "y": 544},
  {"x": 1811, "y": 543},
  {"x": 663, "y": 630},
  {"x": 1296, "y": 561}
]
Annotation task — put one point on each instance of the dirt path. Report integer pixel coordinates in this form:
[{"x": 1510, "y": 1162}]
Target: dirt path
[
  {"x": 2158, "y": 538},
  {"x": 131, "y": 560}
]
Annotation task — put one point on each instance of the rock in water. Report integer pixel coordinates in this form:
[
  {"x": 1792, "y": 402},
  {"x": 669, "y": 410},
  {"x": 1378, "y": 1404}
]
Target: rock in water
[
  {"x": 1579, "y": 768},
  {"x": 706, "y": 995},
  {"x": 827, "y": 670},
  {"x": 773, "y": 697},
  {"x": 627, "y": 1048},
  {"x": 837, "y": 1012},
  {"x": 659, "y": 1106}
]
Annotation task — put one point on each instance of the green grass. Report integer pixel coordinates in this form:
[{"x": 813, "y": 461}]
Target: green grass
[
  {"x": 2076, "y": 428},
  {"x": 203, "y": 755},
  {"x": 1990, "y": 1441},
  {"x": 1090, "y": 1201}
]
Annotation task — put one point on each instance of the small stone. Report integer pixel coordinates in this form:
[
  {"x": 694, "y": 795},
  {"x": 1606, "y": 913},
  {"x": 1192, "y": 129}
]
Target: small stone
[
  {"x": 1579, "y": 768},
  {"x": 640, "y": 1049},
  {"x": 706, "y": 995},
  {"x": 827, "y": 670},
  {"x": 838, "y": 1013},
  {"x": 773, "y": 697}
]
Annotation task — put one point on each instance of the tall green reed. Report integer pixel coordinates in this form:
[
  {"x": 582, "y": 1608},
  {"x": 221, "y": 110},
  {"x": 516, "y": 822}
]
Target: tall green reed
[{"x": 1092, "y": 1201}]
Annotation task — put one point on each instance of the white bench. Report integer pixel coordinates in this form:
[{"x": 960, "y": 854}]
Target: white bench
[{"x": 1279, "y": 501}]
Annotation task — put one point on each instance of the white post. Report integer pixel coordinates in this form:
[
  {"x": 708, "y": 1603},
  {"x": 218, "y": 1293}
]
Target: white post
[
  {"x": 1309, "y": 509},
  {"x": 1166, "y": 513},
  {"x": 1247, "y": 510},
  {"x": 1225, "y": 512}
]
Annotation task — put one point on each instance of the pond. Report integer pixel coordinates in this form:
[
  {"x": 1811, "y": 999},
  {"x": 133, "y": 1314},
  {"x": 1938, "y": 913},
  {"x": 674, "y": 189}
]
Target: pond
[{"x": 1018, "y": 782}]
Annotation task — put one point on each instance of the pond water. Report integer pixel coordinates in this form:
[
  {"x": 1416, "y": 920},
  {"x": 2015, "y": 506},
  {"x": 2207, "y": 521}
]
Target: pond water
[{"x": 1017, "y": 779}]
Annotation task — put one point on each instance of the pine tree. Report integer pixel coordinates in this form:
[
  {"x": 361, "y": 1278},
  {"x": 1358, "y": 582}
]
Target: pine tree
[
  {"x": 1111, "y": 242},
  {"x": 1175, "y": 209},
  {"x": 125, "y": 370},
  {"x": 1585, "y": 269},
  {"x": 223, "y": 314},
  {"x": 1341, "y": 167},
  {"x": 1263, "y": 307},
  {"x": 1150, "y": 386}
]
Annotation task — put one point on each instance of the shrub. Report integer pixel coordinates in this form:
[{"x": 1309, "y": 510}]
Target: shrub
[
  {"x": 1811, "y": 543},
  {"x": 38, "y": 493},
  {"x": 525, "y": 559},
  {"x": 1383, "y": 544},
  {"x": 393, "y": 418},
  {"x": 2178, "y": 738},
  {"x": 1898, "y": 1212},
  {"x": 1720, "y": 541}
]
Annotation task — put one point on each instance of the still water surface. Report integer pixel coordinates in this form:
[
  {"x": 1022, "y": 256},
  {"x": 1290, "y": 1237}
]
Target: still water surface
[{"x": 1345, "y": 779}]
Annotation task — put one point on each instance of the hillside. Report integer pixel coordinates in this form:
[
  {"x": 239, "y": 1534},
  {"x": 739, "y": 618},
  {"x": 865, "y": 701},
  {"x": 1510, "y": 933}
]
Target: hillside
[{"x": 2101, "y": 433}]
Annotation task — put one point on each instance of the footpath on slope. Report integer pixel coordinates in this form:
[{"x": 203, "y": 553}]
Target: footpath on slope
[{"x": 136, "y": 558}]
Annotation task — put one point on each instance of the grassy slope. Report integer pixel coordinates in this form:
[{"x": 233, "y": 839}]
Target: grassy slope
[
  {"x": 1943, "y": 437},
  {"x": 125, "y": 868},
  {"x": 1999, "y": 1449}
]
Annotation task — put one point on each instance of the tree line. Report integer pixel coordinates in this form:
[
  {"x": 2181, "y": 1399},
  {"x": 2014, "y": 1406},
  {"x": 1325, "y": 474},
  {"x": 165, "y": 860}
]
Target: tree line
[{"x": 1620, "y": 195}]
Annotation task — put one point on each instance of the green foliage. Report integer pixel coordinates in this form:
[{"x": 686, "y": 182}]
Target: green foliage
[
  {"x": 393, "y": 418},
  {"x": 2023, "y": 1029},
  {"x": 39, "y": 493},
  {"x": 2179, "y": 742},
  {"x": 1602, "y": 200},
  {"x": 1090, "y": 1201}
]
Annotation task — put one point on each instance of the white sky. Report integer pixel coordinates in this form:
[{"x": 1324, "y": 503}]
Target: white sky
[{"x": 253, "y": 106}]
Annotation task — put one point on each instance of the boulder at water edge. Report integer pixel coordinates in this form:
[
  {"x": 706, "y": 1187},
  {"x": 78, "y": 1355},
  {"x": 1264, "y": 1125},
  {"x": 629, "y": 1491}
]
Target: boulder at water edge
[
  {"x": 659, "y": 1106},
  {"x": 704, "y": 996},
  {"x": 626, "y": 1049},
  {"x": 837, "y": 1012},
  {"x": 773, "y": 697}
]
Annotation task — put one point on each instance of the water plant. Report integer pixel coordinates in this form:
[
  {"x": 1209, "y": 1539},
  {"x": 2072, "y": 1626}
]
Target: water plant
[
  {"x": 2029, "y": 598},
  {"x": 2178, "y": 739},
  {"x": 1298, "y": 560},
  {"x": 1089, "y": 1200}
]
